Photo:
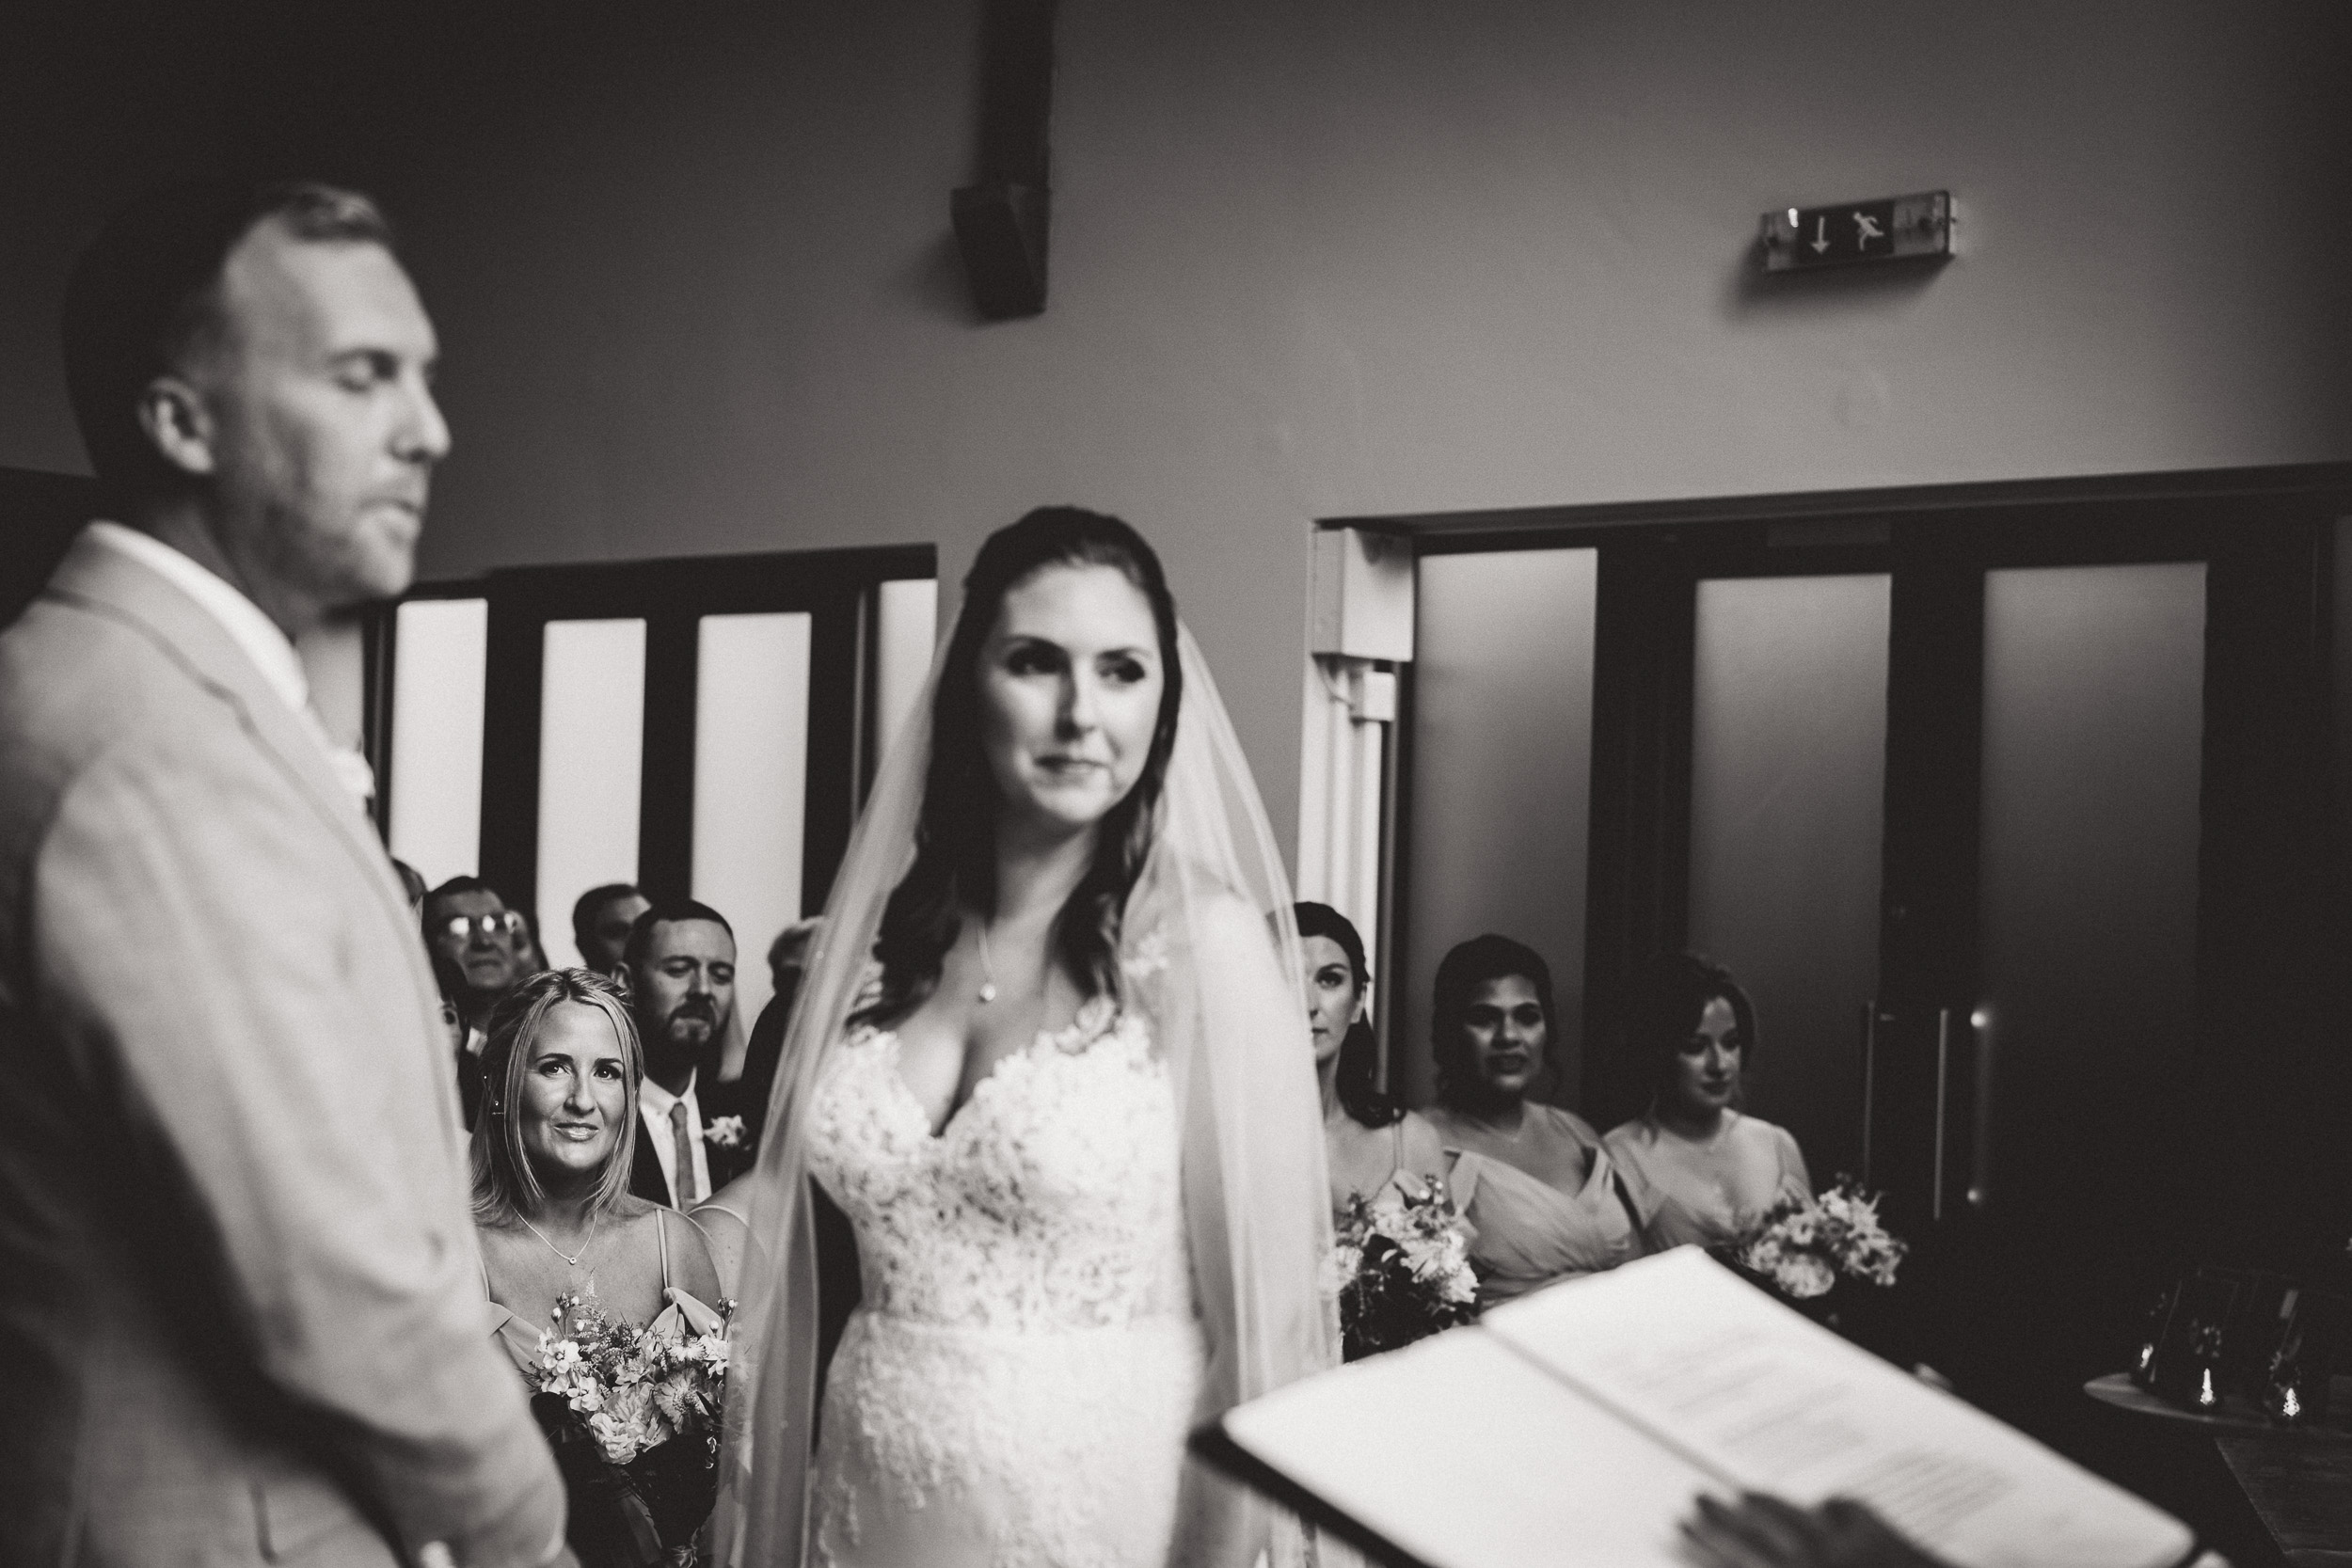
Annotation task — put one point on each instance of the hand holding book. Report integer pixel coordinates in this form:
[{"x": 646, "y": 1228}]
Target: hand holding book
[{"x": 1763, "y": 1532}]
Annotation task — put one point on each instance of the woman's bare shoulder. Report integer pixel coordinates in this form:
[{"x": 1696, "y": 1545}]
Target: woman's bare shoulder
[
  {"x": 694, "y": 1269},
  {"x": 1424, "y": 1146}
]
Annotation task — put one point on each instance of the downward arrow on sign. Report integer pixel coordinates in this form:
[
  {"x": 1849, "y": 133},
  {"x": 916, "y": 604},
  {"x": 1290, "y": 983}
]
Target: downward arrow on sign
[{"x": 1821, "y": 235}]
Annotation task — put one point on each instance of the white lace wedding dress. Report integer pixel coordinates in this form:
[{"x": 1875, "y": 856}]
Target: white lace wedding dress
[{"x": 1014, "y": 1389}]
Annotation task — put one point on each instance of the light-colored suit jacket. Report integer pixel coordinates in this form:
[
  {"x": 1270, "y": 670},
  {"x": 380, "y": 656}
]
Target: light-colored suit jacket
[{"x": 240, "y": 1311}]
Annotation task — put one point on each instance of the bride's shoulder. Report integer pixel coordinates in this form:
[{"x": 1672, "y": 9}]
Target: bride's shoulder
[{"x": 1214, "y": 922}]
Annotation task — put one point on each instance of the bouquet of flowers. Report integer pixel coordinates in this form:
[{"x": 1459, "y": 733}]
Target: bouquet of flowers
[
  {"x": 1401, "y": 1269},
  {"x": 1801, "y": 1248},
  {"x": 633, "y": 1417}
]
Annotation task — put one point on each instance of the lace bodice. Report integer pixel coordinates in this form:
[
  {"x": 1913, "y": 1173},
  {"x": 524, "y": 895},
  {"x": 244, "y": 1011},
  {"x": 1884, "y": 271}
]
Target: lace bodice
[{"x": 1049, "y": 1201}]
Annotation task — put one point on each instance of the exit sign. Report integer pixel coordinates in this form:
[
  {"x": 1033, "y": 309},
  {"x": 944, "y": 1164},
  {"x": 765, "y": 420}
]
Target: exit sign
[{"x": 1890, "y": 228}]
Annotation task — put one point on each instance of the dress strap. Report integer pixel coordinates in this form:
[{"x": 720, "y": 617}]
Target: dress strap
[{"x": 662, "y": 1239}]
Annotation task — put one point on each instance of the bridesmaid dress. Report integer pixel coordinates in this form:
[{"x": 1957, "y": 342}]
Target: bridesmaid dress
[{"x": 1706, "y": 1193}]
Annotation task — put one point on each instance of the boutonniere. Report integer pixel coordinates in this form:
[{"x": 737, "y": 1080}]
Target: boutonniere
[{"x": 724, "y": 1132}]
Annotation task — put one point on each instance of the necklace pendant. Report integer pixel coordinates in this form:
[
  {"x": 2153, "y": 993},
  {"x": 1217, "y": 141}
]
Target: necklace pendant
[{"x": 988, "y": 991}]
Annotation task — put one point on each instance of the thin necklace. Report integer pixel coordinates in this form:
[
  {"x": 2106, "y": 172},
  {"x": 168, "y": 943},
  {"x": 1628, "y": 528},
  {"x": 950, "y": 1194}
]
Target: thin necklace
[
  {"x": 988, "y": 986},
  {"x": 571, "y": 1258}
]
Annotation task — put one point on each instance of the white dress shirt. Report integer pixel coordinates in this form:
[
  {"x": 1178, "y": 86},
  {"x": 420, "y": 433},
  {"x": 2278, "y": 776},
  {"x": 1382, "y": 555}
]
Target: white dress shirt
[
  {"x": 653, "y": 1109},
  {"x": 255, "y": 634}
]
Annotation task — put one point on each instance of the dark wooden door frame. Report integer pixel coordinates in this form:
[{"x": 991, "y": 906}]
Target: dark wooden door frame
[
  {"x": 1639, "y": 845},
  {"x": 838, "y": 589}
]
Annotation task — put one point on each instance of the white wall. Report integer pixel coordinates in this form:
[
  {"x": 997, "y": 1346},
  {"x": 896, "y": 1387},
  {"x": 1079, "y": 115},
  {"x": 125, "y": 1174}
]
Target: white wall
[{"x": 1312, "y": 259}]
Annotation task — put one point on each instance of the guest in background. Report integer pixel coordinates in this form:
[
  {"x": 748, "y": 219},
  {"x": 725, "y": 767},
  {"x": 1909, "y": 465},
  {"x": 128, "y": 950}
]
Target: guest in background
[
  {"x": 740, "y": 1085},
  {"x": 787, "y": 957},
  {"x": 678, "y": 970},
  {"x": 551, "y": 1158},
  {"x": 1369, "y": 1140},
  {"x": 726, "y": 1215},
  {"x": 1532, "y": 1178},
  {"x": 530, "y": 958},
  {"x": 411, "y": 883},
  {"x": 601, "y": 924},
  {"x": 1699, "y": 1169},
  {"x": 471, "y": 933}
]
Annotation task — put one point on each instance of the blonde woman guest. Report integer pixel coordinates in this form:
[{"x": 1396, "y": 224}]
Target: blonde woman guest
[
  {"x": 551, "y": 1154},
  {"x": 1531, "y": 1178},
  {"x": 1369, "y": 1140},
  {"x": 1699, "y": 1169}
]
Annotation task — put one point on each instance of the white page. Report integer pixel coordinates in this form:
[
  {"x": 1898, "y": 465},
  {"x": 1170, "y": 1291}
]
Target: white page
[
  {"x": 1456, "y": 1451},
  {"x": 1754, "y": 1391}
]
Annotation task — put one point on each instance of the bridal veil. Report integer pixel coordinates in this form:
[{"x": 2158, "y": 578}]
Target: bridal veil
[{"x": 1209, "y": 952}]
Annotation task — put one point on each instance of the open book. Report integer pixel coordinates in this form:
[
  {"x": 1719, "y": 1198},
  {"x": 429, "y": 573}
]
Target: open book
[{"x": 1577, "y": 1426}]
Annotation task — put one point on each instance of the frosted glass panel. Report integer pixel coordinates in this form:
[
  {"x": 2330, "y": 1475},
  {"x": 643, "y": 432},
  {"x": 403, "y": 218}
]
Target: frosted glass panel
[
  {"x": 910, "y": 629},
  {"x": 440, "y": 649},
  {"x": 750, "y": 778},
  {"x": 1788, "y": 781},
  {"x": 2094, "y": 732},
  {"x": 592, "y": 728},
  {"x": 1503, "y": 764}
]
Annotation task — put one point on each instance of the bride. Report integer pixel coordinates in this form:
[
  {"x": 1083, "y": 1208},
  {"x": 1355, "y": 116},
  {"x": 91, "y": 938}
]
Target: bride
[{"x": 1051, "y": 1067}]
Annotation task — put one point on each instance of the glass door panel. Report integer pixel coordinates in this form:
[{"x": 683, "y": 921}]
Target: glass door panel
[
  {"x": 1501, "y": 793},
  {"x": 435, "y": 771},
  {"x": 908, "y": 632},
  {"x": 1788, "y": 776},
  {"x": 750, "y": 779},
  {"x": 2093, "y": 757},
  {"x": 592, "y": 725}
]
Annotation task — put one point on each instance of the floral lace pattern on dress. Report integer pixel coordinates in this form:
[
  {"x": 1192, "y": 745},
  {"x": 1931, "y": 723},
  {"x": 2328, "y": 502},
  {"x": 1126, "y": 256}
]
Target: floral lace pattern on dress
[
  {"x": 1014, "y": 1389},
  {"x": 1049, "y": 1200}
]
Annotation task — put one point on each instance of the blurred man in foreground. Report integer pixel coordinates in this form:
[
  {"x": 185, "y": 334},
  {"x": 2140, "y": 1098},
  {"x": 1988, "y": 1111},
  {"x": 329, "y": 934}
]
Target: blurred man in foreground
[{"x": 241, "y": 1318}]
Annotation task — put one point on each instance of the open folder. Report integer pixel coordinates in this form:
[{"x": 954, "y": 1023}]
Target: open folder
[{"x": 1578, "y": 1425}]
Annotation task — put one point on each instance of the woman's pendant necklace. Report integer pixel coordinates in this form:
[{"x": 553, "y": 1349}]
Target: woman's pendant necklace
[
  {"x": 988, "y": 986},
  {"x": 570, "y": 1258}
]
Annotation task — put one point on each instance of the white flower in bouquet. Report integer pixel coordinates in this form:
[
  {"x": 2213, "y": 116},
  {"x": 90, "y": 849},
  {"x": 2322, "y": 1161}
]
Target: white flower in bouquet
[
  {"x": 1401, "y": 1269},
  {"x": 1802, "y": 1248}
]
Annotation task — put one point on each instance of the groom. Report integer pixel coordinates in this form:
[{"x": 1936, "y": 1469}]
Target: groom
[{"x": 240, "y": 1311}]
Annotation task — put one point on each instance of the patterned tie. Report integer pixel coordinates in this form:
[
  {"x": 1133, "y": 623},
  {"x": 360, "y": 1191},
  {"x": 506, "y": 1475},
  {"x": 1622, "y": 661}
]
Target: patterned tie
[{"x": 682, "y": 1140}]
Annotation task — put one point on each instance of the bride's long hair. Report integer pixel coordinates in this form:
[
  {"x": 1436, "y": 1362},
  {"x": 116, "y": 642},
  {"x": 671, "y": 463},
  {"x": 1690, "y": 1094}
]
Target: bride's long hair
[{"x": 955, "y": 837}]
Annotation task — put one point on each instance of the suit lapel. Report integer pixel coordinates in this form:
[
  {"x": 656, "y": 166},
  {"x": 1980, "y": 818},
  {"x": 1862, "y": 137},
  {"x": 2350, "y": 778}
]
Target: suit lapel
[
  {"x": 108, "y": 582},
  {"x": 111, "y": 582}
]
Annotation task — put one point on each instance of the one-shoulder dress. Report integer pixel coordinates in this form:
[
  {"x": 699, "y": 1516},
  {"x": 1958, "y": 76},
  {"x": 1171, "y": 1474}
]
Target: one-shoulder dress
[{"x": 1015, "y": 1386}]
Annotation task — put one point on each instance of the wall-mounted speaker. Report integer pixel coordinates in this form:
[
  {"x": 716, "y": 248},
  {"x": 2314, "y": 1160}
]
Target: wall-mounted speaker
[{"x": 1000, "y": 228}]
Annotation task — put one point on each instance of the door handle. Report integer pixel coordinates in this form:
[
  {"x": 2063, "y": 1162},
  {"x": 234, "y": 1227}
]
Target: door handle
[
  {"x": 1869, "y": 1080},
  {"x": 1943, "y": 1089},
  {"x": 1984, "y": 1021}
]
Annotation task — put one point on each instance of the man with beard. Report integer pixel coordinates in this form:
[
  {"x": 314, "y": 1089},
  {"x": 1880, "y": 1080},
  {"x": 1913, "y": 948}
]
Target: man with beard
[{"x": 678, "y": 970}]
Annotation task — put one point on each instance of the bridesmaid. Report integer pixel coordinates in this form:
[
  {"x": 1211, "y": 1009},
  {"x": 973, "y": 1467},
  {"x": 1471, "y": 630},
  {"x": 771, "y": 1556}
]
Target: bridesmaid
[
  {"x": 1532, "y": 1178},
  {"x": 1698, "y": 1168},
  {"x": 557, "y": 1224},
  {"x": 1369, "y": 1140}
]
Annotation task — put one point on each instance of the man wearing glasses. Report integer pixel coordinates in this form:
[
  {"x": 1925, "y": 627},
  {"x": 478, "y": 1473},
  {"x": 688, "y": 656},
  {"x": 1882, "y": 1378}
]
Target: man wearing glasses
[{"x": 473, "y": 935}]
